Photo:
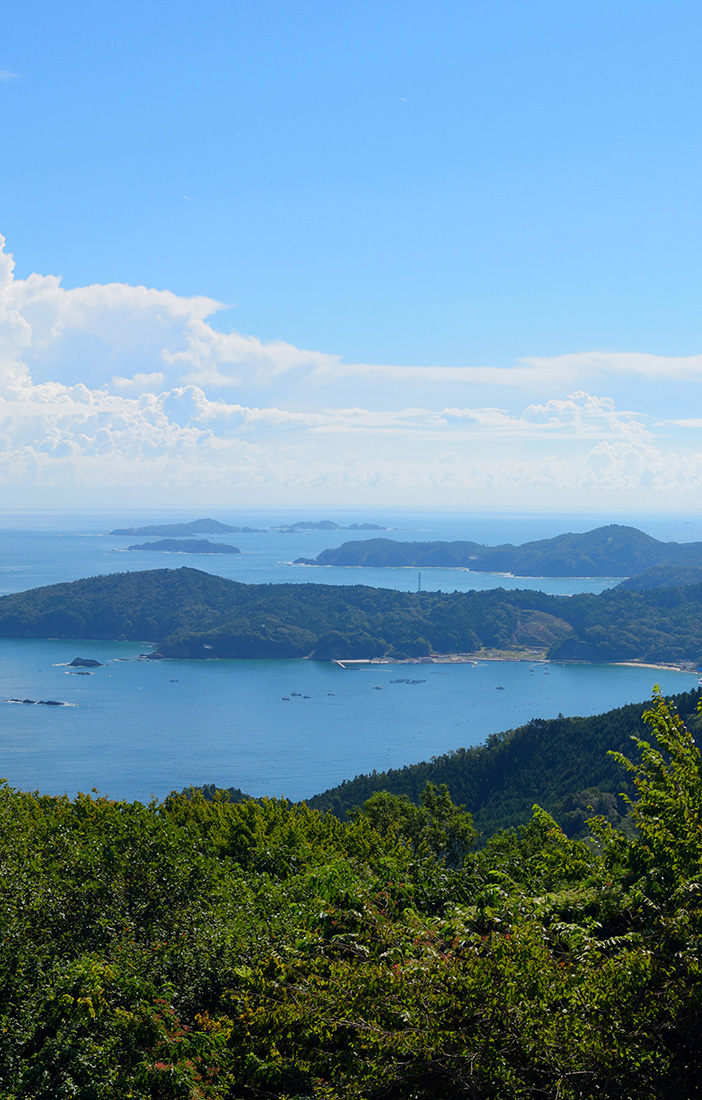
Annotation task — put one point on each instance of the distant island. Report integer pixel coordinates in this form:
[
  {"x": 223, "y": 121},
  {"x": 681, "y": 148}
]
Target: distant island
[
  {"x": 191, "y": 614},
  {"x": 186, "y": 546},
  {"x": 328, "y": 525},
  {"x": 611, "y": 551},
  {"x": 214, "y": 527},
  {"x": 181, "y": 530}
]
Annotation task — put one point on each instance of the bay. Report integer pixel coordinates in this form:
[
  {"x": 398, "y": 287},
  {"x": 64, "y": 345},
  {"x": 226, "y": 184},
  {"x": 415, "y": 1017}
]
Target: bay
[{"x": 138, "y": 729}]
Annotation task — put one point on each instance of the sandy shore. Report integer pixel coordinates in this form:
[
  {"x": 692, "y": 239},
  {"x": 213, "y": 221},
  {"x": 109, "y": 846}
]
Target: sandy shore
[
  {"x": 663, "y": 668},
  {"x": 445, "y": 659},
  {"x": 495, "y": 655}
]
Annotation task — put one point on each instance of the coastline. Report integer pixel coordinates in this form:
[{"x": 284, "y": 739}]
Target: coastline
[
  {"x": 500, "y": 655},
  {"x": 661, "y": 667},
  {"x": 532, "y": 657}
]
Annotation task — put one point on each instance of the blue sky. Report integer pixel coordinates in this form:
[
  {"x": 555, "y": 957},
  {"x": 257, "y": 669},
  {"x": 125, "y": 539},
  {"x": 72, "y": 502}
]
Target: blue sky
[{"x": 351, "y": 253}]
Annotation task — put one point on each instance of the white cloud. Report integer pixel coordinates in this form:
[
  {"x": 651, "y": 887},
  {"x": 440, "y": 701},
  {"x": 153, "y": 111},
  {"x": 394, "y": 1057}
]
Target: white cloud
[
  {"x": 216, "y": 358},
  {"x": 622, "y": 363},
  {"x": 6, "y": 75},
  {"x": 124, "y": 385},
  {"x": 530, "y": 373},
  {"x": 584, "y": 414}
]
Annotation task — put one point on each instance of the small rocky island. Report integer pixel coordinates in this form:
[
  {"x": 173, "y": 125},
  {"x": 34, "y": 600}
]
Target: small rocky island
[
  {"x": 40, "y": 702},
  {"x": 328, "y": 525},
  {"x": 186, "y": 546}
]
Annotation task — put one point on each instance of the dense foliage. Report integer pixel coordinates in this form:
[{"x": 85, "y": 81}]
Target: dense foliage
[
  {"x": 664, "y": 576},
  {"x": 188, "y": 613},
  {"x": 612, "y": 551},
  {"x": 209, "y": 950}
]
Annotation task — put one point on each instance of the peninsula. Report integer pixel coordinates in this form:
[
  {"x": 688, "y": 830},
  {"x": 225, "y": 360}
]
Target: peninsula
[
  {"x": 611, "y": 551},
  {"x": 191, "y": 614}
]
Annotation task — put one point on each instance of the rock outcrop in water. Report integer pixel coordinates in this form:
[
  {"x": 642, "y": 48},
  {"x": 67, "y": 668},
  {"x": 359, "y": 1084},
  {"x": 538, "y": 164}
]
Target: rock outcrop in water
[{"x": 40, "y": 702}]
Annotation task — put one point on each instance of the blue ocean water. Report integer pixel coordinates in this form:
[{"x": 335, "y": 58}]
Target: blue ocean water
[{"x": 138, "y": 729}]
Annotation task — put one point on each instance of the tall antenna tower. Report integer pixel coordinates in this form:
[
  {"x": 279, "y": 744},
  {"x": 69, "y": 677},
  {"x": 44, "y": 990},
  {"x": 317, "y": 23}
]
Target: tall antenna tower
[{"x": 419, "y": 582}]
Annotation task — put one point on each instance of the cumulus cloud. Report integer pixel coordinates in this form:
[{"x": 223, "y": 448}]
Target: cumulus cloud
[
  {"x": 584, "y": 414},
  {"x": 124, "y": 336},
  {"x": 115, "y": 384}
]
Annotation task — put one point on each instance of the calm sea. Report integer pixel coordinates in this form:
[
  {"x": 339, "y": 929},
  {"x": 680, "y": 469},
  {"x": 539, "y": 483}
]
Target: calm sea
[{"x": 138, "y": 729}]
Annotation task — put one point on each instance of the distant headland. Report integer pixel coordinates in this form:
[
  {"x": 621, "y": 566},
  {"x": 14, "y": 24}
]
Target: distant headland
[{"x": 612, "y": 551}]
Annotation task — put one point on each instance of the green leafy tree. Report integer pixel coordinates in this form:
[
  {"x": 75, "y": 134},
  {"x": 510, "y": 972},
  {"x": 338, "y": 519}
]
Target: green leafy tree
[
  {"x": 436, "y": 827},
  {"x": 668, "y": 810}
]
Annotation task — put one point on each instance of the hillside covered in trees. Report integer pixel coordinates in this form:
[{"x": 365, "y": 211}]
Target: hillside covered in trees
[
  {"x": 221, "y": 951},
  {"x": 612, "y": 551},
  {"x": 562, "y": 763},
  {"x": 187, "y": 613}
]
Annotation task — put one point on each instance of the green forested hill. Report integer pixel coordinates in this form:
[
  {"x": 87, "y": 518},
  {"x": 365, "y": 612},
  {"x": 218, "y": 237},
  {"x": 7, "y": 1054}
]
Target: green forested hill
[
  {"x": 193, "y": 614},
  {"x": 560, "y": 763},
  {"x": 612, "y": 551},
  {"x": 187, "y": 613},
  {"x": 663, "y": 576}
]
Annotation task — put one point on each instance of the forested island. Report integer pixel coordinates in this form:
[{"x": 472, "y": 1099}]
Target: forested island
[
  {"x": 182, "y": 530},
  {"x": 188, "y": 613},
  {"x": 214, "y": 950},
  {"x": 612, "y": 551},
  {"x": 186, "y": 546},
  {"x": 214, "y": 527}
]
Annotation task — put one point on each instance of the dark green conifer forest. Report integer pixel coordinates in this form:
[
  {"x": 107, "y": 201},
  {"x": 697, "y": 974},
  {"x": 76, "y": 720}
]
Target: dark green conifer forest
[{"x": 212, "y": 949}]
